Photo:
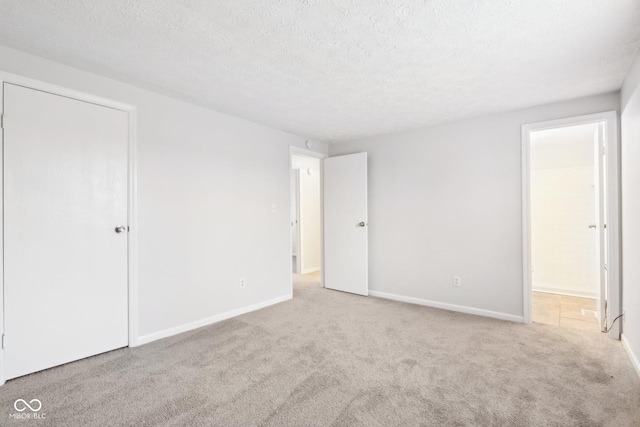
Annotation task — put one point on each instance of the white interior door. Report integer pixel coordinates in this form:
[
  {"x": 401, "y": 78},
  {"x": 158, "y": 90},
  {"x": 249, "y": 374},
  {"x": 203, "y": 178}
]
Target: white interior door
[
  {"x": 601, "y": 221},
  {"x": 345, "y": 223},
  {"x": 65, "y": 266},
  {"x": 296, "y": 249}
]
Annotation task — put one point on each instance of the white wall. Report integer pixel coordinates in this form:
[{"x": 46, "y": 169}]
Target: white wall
[
  {"x": 446, "y": 200},
  {"x": 206, "y": 182},
  {"x": 563, "y": 147},
  {"x": 563, "y": 248},
  {"x": 310, "y": 215},
  {"x": 630, "y": 101}
]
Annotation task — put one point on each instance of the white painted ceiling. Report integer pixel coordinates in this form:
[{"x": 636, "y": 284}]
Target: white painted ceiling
[{"x": 335, "y": 70}]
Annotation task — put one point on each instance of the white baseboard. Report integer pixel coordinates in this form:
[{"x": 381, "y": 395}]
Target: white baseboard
[
  {"x": 209, "y": 320},
  {"x": 450, "y": 307},
  {"x": 568, "y": 292},
  {"x": 310, "y": 270},
  {"x": 634, "y": 359}
]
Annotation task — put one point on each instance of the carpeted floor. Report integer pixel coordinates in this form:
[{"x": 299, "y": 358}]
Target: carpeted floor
[{"x": 328, "y": 358}]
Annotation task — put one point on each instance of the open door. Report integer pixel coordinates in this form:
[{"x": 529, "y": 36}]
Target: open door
[
  {"x": 600, "y": 164},
  {"x": 345, "y": 224},
  {"x": 296, "y": 250}
]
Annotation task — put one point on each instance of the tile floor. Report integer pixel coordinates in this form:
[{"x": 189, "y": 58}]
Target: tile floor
[{"x": 564, "y": 311}]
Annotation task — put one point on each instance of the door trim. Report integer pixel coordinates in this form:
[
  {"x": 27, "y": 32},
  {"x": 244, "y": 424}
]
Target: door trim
[
  {"x": 304, "y": 152},
  {"x": 132, "y": 239},
  {"x": 610, "y": 118}
]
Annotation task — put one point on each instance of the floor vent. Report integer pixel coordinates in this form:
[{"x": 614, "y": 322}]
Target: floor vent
[{"x": 588, "y": 313}]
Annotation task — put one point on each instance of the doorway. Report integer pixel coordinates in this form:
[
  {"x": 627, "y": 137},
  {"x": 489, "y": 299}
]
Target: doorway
[
  {"x": 328, "y": 221},
  {"x": 68, "y": 211},
  {"x": 570, "y": 223},
  {"x": 306, "y": 219}
]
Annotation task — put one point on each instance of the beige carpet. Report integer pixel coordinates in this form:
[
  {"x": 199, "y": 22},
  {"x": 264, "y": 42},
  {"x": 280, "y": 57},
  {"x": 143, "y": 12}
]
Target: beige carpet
[{"x": 332, "y": 359}]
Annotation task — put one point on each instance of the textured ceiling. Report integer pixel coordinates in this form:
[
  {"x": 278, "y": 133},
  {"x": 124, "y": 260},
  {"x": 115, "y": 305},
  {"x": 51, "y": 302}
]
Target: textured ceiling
[{"x": 335, "y": 70}]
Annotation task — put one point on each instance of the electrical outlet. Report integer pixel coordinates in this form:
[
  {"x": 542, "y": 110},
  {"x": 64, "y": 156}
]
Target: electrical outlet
[
  {"x": 456, "y": 281},
  {"x": 243, "y": 282}
]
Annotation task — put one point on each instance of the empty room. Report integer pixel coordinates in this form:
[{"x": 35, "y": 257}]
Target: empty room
[{"x": 320, "y": 213}]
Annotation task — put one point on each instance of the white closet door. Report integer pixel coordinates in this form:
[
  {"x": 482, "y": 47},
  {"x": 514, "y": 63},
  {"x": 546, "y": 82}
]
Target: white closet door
[
  {"x": 65, "y": 266},
  {"x": 345, "y": 224}
]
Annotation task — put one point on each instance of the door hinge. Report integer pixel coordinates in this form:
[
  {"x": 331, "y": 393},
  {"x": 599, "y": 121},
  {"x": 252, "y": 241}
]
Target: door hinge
[
  {"x": 3, "y": 341},
  {"x": 1, "y": 121},
  {"x": 603, "y": 150}
]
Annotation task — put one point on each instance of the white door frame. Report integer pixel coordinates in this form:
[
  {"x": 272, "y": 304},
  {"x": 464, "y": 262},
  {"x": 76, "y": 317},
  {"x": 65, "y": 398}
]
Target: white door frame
[
  {"x": 131, "y": 235},
  {"x": 610, "y": 118},
  {"x": 304, "y": 152}
]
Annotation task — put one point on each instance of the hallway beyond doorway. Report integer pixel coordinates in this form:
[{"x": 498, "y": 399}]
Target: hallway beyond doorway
[{"x": 565, "y": 311}]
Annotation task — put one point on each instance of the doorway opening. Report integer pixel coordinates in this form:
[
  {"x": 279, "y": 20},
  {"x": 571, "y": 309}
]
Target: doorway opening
[
  {"x": 570, "y": 213},
  {"x": 306, "y": 219}
]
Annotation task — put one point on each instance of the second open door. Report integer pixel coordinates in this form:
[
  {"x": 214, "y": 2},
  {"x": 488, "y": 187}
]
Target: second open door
[{"x": 346, "y": 224}]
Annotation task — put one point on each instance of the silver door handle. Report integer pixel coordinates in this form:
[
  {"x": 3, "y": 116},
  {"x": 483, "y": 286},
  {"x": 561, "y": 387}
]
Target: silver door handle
[
  {"x": 362, "y": 224},
  {"x": 592, "y": 226},
  {"x": 121, "y": 229}
]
